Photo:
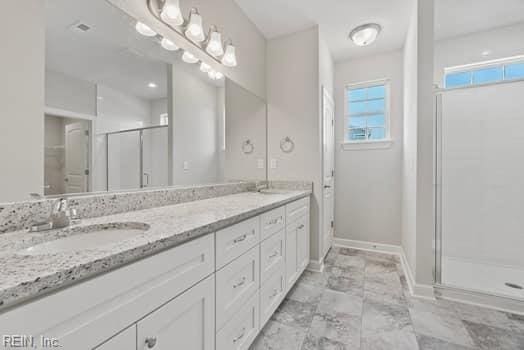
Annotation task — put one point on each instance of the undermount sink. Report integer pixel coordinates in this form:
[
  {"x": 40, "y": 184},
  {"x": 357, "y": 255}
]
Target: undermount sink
[{"x": 87, "y": 237}]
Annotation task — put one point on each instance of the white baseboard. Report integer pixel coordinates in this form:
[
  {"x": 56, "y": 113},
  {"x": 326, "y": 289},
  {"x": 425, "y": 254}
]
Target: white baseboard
[
  {"x": 496, "y": 302},
  {"x": 315, "y": 266},
  {"x": 417, "y": 290}
]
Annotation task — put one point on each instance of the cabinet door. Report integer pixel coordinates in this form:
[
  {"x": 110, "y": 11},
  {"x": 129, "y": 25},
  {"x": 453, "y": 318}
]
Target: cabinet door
[
  {"x": 125, "y": 340},
  {"x": 186, "y": 322},
  {"x": 302, "y": 243},
  {"x": 291, "y": 255}
]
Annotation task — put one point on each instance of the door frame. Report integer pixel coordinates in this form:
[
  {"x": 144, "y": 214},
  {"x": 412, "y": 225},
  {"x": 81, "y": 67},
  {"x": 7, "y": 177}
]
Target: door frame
[
  {"x": 326, "y": 95},
  {"x": 91, "y": 119}
]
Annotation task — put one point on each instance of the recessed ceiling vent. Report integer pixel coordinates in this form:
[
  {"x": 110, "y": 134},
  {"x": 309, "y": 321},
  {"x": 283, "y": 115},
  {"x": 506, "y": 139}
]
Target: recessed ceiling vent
[{"x": 80, "y": 27}]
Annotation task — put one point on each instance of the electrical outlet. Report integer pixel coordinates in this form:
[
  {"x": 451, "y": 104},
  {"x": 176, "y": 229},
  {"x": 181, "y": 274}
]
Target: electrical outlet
[{"x": 260, "y": 163}]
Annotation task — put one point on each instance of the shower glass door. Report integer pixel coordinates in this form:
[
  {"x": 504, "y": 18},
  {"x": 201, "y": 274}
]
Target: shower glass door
[{"x": 481, "y": 188}]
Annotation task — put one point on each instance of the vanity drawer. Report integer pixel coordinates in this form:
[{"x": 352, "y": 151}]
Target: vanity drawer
[
  {"x": 271, "y": 294},
  {"x": 272, "y": 222},
  {"x": 297, "y": 209},
  {"x": 234, "y": 241},
  {"x": 272, "y": 252},
  {"x": 235, "y": 284},
  {"x": 242, "y": 329}
]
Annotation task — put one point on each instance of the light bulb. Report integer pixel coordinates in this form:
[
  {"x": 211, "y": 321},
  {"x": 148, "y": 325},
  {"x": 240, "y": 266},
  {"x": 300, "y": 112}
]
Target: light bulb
[
  {"x": 219, "y": 75},
  {"x": 171, "y": 13},
  {"x": 144, "y": 29},
  {"x": 204, "y": 67},
  {"x": 214, "y": 46},
  {"x": 194, "y": 30},
  {"x": 168, "y": 45},
  {"x": 212, "y": 74},
  {"x": 230, "y": 57},
  {"x": 188, "y": 57}
]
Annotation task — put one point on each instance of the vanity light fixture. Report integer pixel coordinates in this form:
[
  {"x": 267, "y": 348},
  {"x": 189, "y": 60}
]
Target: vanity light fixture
[
  {"x": 188, "y": 57},
  {"x": 171, "y": 13},
  {"x": 219, "y": 75},
  {"x": 214, "y": 45},
  {"x": 230, "y": 57},
  {"x": 214, "y": 75},
  {"x": 365, "y": 34},
  {"x": 152, "y": 85},
  {"x": 194, "y": 30},
  {"x": 168, "y": 45},
  {"x": 144, "y": 29},
  {"x": 205, "y": 68}
]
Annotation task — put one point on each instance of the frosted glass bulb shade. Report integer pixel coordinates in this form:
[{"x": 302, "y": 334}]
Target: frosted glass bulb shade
[
  {"x": 171, "y": 13},
  {"x": 188, "y": 57},
  {"x": 219, "y": 75},
  {"x": 168, "y": 45},
  {"x": 230, "y": 57},
  {"x": 144, "y": 29},
  {"x": 205, "y": 68},
  {"x": 365, "y": 34},
  {"x": 212, "y": 74},
  {"x": 214, "y": 46},
  {"x": 194, "y": 30}
]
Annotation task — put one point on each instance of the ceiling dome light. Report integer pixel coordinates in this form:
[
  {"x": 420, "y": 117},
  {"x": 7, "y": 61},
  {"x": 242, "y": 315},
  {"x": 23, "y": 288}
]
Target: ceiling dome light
[
  {"x": 168, "y": 45},
  {"x": 230, "y": 57},
  {"x": 205, "y": 68},
  {"x": 214, "y": 46},
  {"x": 171, "y": 13},
  {"x": 365, "y": 34},
  {"x": 188, "y": 57},
  {"x": 144, "y": 29},
  {"x": 194, "y": 30}
]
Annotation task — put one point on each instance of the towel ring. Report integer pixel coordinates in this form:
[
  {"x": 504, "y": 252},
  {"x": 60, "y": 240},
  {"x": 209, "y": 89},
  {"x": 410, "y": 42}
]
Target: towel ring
[
  {"x": 248, "y": 147},
  {"x": 287, "y": 145}
]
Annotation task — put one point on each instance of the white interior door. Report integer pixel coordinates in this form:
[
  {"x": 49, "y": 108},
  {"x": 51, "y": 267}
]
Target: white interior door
[
  {"x": 328, "y": 139},
  {"x": 76, "y": 157}
]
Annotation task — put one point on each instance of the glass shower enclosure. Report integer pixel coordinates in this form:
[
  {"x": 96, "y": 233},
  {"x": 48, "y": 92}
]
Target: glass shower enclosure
[{"x": 137, "y": 158}]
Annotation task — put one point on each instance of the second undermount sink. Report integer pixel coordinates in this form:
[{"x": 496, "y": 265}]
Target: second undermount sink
[{"x": 87, "y": 237}]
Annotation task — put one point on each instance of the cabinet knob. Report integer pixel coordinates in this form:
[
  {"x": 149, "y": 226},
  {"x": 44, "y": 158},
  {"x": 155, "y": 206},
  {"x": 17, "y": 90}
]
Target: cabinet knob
[{"x": 150, "y": 342}]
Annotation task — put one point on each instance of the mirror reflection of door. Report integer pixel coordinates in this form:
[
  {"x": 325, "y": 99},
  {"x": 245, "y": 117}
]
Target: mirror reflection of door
[{"x": 66, "y": 162}]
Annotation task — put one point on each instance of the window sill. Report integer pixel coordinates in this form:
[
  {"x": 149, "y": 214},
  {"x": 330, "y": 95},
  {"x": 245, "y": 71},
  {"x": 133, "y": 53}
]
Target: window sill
[{"x": 365, "y": 145}]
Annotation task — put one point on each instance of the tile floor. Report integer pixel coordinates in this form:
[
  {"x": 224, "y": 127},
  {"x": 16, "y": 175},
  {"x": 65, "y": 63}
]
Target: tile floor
[{"x": 361, "y": 301}]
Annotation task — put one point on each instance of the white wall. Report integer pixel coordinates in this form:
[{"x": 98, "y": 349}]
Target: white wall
[
  {"x": 368, "y": 182},
  {"x": 22, "y": 99},
  {"x": 69, "y": 93},
  {"x": 501, "y": 42},
  {"x": 245, "y": 120},
  {"x": 193, "y": 124},
  {"x": 293, "y": 110}
]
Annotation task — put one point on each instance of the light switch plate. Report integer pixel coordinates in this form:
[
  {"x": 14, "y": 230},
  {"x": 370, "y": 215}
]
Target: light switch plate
[
  {"x": 186, "y": 165},
  {"x": 260, "y": 163},
  {"x": 274, "y": 163}
]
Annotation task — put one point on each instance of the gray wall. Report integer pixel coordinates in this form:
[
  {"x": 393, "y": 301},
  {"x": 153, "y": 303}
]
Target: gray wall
[
  {"x": 22, "y": 98},
  {"x": 368, "y": 181},
  {"x": 293, "y": 110}
]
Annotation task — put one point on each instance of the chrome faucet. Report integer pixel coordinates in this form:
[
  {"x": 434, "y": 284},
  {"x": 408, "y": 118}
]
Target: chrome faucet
[
  {"x": 261, "y": 185},
  {"x": 61, "y": 216}
]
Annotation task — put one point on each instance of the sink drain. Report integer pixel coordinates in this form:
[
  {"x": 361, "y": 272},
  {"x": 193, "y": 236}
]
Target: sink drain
[{"x": 513, "y": 285}]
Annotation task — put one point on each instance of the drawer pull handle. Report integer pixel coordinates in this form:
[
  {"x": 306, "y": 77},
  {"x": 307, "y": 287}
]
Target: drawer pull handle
[
  {"x": 150, "y": 342},
  {"x": 240, "y": 239},
  {"x": 241, "y": 283},
  {"x": 240, "y": 336},
  {"x": 276, "y": 253},
  {"x": 275, "y": 293},
  {"x": 275, "y": 221},
  {"x": 301, "y": 227}
]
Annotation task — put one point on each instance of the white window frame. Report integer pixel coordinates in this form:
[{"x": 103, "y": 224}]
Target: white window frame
[{"x": 386, "y": 142}]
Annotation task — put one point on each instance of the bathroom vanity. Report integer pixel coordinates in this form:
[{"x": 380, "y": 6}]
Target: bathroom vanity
[{"x": 206, "y": 274}]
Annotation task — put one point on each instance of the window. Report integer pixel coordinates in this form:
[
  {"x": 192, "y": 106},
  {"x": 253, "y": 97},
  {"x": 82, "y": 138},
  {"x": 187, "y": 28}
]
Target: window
[
  {"x": 367, "y": 116},
  {"x": 485, "y": 72}
]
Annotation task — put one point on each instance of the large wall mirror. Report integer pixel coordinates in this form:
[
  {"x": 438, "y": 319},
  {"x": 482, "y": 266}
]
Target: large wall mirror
[{"x": 122, "y": 113}]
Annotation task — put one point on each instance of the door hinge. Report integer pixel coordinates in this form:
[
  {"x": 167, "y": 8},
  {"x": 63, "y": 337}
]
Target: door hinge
[
  {"x": 332, "y": 173},
  {"x": 332, "y": 224},
  {"x": 86, "y": 172}
]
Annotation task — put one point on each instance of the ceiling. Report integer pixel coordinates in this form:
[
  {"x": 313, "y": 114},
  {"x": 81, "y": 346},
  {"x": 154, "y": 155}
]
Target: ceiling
[
  {"x": 460, "y": 17},
  {"x": 335, "y": 18}
]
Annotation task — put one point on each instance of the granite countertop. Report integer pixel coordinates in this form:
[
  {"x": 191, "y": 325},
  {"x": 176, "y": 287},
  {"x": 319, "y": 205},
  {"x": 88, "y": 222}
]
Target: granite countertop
[{"x": 23, "y": 277}]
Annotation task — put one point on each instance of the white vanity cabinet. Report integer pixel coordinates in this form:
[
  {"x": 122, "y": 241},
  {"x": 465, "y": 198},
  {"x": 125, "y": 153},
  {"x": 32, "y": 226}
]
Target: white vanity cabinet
[{"x": 214, "y": 292}]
